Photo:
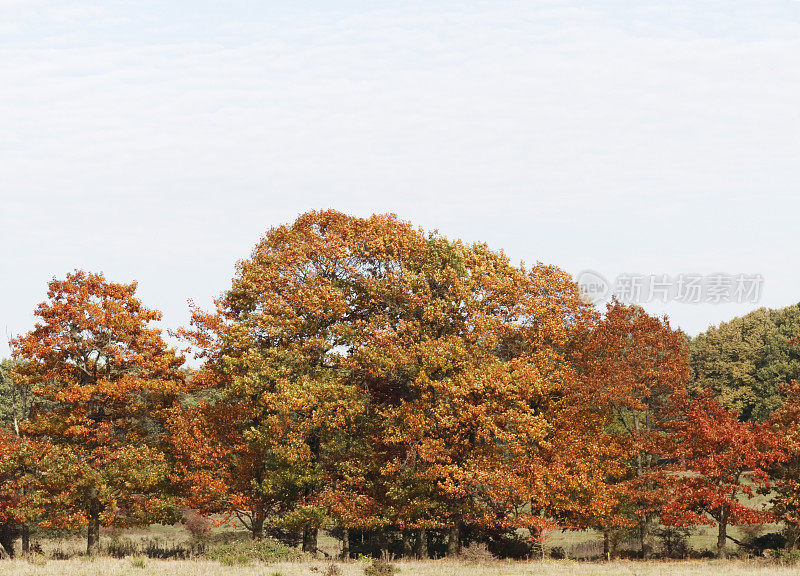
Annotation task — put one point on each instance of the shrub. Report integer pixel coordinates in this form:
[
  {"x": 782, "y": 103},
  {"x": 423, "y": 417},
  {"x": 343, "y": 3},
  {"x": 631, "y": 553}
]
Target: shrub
[
  {"x": 512, "y": 545},
  {"x": 333, "y": 570},
  {"x": 61, "y": 554},
  {"x": 36, "y": 558},
  {"x": 242, "y": 552},
  {"x": 770, "y": 541},
  {"x": 233, "y": 558},
  {"x": 476, "y": 552},
  {"x": 789, "y": 557},
  {"x": 674, "y": 541},
  {"x": 158, "y": 549},
  {"x": 119, "y": 547},
  {"x": 379, "y": 568},
  {"x": 198, "y": 526}
]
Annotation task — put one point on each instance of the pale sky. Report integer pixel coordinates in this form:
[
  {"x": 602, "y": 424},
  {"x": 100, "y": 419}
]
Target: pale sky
[{"x": 157, "y": 141}]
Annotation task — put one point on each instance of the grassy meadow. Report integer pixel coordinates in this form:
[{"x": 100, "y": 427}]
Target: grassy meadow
[
  {"x": 87, "y": 566},
  {"x": 64, "y": 556}
]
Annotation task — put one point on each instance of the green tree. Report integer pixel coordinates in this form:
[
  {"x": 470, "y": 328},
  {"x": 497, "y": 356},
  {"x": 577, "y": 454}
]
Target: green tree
[
  {"x": 747, "y": 360},
  {"x": 6, "y": 389},
  {"x": 15, "y": 401}
]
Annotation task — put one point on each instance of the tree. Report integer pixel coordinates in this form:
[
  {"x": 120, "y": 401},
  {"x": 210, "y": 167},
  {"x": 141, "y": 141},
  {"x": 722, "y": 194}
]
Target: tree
[
  {"x": 785, "y": 476},
  {"x": 14, "y": 400},
  {"x": 747, "y": 360},
  {"x": 419, "y": 377},
  {"x": 719, "y": 459},
  {"x": 636, "y": 366},
  {"x": 101, "y": 380},
  {"x": 9, "y": 495},
  {"x": 6, "y": 387},
  {"x": 17, "y": 457}
]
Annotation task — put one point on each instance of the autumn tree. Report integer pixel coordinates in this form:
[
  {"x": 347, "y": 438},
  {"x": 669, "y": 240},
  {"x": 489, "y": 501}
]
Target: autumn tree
[
  {"x": 720, "y": 462},
  {"x": 9, "y": 494},
  {"x": 635, "y": 366},
  {"x": 270, "y": 351},
  {"x": 466, "y": 381},
  {"x": 100, "y": 378},
  {"x": 419, "y": 377}
]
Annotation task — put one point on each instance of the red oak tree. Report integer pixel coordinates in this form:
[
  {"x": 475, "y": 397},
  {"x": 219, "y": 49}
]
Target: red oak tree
[
  {"x": 720, "y": 462},
  {"x": 635, "y": 367}
]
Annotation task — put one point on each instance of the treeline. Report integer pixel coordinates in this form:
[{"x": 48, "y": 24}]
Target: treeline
[{"x": 404, "y": 391}]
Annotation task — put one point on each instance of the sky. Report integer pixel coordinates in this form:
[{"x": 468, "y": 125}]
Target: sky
[{"x": 158, "y": 141}]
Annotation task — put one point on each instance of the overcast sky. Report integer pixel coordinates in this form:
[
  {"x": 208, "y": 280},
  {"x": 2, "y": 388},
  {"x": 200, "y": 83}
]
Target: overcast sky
[{"x": 157, "y": 141}]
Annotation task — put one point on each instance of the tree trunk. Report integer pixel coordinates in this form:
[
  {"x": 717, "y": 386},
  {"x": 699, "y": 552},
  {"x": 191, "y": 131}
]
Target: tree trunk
[
  {"x": 644, "y": 522},
  {"x": 257, "y": 527},
  {"x": 722, "y": 535},
  {"x": 453, "y": 540},
  {"x": 93, "y": 532},
  {"x": 645, "y": 537},
  {"x": 421, "y": 545},
  {"x": 792, "y": 537},
  {"x": 8, "y": 533},
  {"x": 606, "y": 544},
  {"x": 25, "y": 532},
  {"x": 310, "y": 540},
  {"x": 382, "y": 540},
  {"x": 407, "y": 549},
  {"x": 346, "y": 544}
]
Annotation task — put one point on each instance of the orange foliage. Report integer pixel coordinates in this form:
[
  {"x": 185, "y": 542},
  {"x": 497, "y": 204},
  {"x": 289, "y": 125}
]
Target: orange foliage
[
  {"x": 401, "y": 379},
  {"x": 101, "y": 380}
]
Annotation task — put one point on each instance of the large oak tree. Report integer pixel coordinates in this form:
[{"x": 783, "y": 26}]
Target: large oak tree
[{"x": 399, "y": 379}]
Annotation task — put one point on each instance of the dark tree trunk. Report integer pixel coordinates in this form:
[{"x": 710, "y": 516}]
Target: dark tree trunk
[
  {"x": 421, "y": 545},
  {"x": 792, "y": 537},
  {"x": 538, "y": 542},
  {"x": 257, "y": 527},
  {"x": 8, "y": 533},
  {"x": 645, "y": 537},
  {"x": 346, "y": 544},
  {"x": 407, "y": 548},
  {"x": 310, "y": 540},
  {"x": 722, "y": 535},
  {"x": 93, "y": 532},
  {"x": 26, "y": 538},
  {"x": 453, "y": 540},
  {"x": 383, "y": 543},
  {"x": 606, "y": 544}
]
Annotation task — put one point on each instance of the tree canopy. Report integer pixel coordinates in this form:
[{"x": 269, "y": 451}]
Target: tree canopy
[{"x": 746, "y": 361}]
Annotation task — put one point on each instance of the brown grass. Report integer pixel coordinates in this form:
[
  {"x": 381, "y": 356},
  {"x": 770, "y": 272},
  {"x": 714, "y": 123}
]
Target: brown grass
[{"x": 133, "y": 567}]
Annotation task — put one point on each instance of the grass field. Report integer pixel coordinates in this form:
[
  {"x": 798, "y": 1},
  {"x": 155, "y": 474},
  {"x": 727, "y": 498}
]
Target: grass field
[
  {"x": 582, "y": 548},
  {"x": 139, "y": 567}
]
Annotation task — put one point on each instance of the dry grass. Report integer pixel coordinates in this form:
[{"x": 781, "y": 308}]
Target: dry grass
[{"x": 139, "y": 567}]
